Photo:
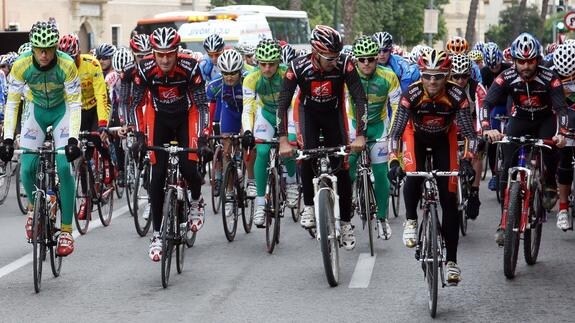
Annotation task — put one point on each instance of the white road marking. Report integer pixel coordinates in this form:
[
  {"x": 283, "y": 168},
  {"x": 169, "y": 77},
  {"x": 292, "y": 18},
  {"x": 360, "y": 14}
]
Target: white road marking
[
  {"x": 26, "y": 259},
  {"x": 362, "y": 273}
]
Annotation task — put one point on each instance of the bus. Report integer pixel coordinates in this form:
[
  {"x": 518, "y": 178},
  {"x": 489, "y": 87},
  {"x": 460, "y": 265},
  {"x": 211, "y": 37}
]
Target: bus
[{"x": 236, "y": 24}]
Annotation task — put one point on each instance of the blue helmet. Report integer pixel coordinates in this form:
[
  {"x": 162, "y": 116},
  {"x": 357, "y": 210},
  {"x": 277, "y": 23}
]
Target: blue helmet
[
  {"x": 492, "y": 55},
  {"x": 525, "y": 46}
]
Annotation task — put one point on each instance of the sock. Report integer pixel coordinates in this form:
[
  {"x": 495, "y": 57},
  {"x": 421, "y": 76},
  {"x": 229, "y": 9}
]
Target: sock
[{"x": 563, "y": 206}]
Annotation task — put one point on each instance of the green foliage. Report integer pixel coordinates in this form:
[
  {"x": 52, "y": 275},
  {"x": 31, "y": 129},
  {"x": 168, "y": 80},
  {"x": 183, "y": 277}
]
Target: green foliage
[
  {"x": 529, "y": 21},
  {"x": 548, "y": 28}
]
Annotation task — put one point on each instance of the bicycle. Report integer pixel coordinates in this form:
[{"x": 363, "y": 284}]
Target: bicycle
[
  {"x": 499, "y": 154},
  {"x": 523, "y": 212},
  {"x": 47, "y": 208},
  {"x": 430, "y": 246},
  {"x": 365, "y": 203},
  {"x": 326, "y": 204},
  {"x": 570, "y": 135},
  {"x": 233, "y": 189},
  {"x": 91, "y": 186},
  {"x": 215, "y": 169},
  {"x": 175, "y": 232},
  {"x": 464, "y": 192},
  {"x": 130, "y": 169}
]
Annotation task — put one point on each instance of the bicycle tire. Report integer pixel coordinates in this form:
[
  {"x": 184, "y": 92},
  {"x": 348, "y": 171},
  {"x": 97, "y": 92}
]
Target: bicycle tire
[
  {"x": 396, "y": 197},
  {"x": 181, "y": 235},
  {"x": 38, "y": 239},
  {"x": 248, "y": 205},
  {"x": 363, "y": 201},
  {"x": 463, "y": 213},
  {"x": 167, "y": 234},
  {"x": 296, "y": 211},
  {"x": 130, "y": 170},
  {"x": 216, "y": 199},
  {"x": 190, "y": 236},
  {"x": 432, "y": 271},
  {"x": 83, "y": 224},
  {"x": 55, "y": 260},
  {"x": 532, "y": 235},
  {"x": 229, "y": 221},
  {"x": 21, "y": 196},
  {"x": 272, "y": 210},
  {"x": 498, "y": 166},
  {"x": 140, "y": 199},
  {"x": 485, "y": 160},
  {"x": 105, "y": 194},
  {"x": 511, "y": 243},
  {"x": 5, "y": 180},
  {"x": 329, "y": 243}
]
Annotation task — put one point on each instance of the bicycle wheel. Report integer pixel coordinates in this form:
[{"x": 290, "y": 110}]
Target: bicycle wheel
[
  {"x": 272, "y": 210},
  {"x": 498, "y": 166},
  {"x": 432, "y": 265},
  {"x": 511, "y": 244},
  {"x": 105, "y": 194},
  {"x": 55, "y": 260},
  {"x": 230, "y": 221},
  {"x": 463, "y": 213},
  {"x": 130, "y": 170},
  {"x": 182, "y": 229},
  {"x": 396, "y": 197},
  {"x": 141, "y": 200},
  {"x": 216, "y": 196},
  {"x": 296, "y": 211},
  {"x": 38, "y": 239},
  {"x": 248, "y": 205},
  {"x": 485, "y": 160},
  {"x": 532, "y": 234},
  {"x": 21, "y": 196},
  {"x": 83, "y": 198},
  {"x": 5, "y": 178},
  {"x": 329, "y": 242},
  {"x": 167, "y": 233}
]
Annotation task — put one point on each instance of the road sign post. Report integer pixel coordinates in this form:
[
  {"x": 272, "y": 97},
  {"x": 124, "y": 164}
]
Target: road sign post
[{"x": 569, "y": 20}]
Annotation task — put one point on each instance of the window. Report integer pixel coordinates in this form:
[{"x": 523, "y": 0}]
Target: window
[{"x": 115, "y": 35}]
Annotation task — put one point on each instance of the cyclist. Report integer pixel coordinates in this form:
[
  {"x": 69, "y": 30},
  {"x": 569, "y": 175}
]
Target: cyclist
[
  {"x": 382, "y": 88},
  {"x": 564, "y": 65},
  {"x": 247, "y": 51},
  {"x": 536, "y": 93},
  {"x": 214, "y": 46},
  {"x": 104, "y": 53},
  {"x": 405, "y": 72},
  {"x": 475, "y": 92},
  {"x": 261, "y": 92},
  {"x": 321, "y": 77},
  {"x": 476, "y": 56},
  {"x": 45, "y": 67},
  {"x": 459, "y": 45},
  {"x": 225, "y": 97},
  {"x": 426, "y": 119},
  {"x": 177, "y": 110},
  {"x": 288, "y": 54}
]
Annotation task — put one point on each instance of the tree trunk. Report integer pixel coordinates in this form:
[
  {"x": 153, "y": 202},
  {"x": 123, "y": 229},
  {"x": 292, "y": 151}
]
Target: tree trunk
[
  {"x": 348, "y": 12},
  {"x": 470, "y": 31},
  {"x": 544, "y": 5},
  {"x": 294, "y": 5},
  {"x": 520, "y": 13}
]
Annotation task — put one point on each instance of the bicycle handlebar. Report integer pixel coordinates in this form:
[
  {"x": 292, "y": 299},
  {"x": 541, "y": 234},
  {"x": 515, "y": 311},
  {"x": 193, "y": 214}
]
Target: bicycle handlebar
[
  {"x": 314, "y": 152},
  {"x": 523, "y": 140},
  {"x": 432, "y": 174},
  {"x": 39, "y": 151},
  {"x": 172, "y": 149}
]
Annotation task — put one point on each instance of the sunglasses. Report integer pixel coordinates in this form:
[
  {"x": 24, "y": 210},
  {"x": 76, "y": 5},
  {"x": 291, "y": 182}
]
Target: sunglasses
[
  {"x": 214, "y": 54},
  {"x": 248, "y": 56},
  {"x": 437, "y": 76},
  {"x": 460, "y": 76},
  {"x": 230, "y": 73},
  {"x": 264, "y": 64},
  {"x": 329, "y": 59},
  {"x": 385, "y": 50},
  {"x": 530, "y": 61},
  {"x": 366, "y": 60}
]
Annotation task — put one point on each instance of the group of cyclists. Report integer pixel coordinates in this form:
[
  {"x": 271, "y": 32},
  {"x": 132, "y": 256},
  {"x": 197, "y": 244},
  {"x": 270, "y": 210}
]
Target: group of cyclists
[{"x": 368, "y": 95}]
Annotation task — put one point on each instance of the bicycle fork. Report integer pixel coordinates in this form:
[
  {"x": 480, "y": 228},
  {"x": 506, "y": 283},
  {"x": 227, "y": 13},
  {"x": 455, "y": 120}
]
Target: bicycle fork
[{"x": 335, "y": 197}]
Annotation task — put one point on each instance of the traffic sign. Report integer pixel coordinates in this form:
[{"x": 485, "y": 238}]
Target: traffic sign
[{"x": 569, "y": 20}]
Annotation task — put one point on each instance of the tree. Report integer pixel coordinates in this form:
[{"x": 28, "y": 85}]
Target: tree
[
  {"x": 294, "y": 5},
  {"x": 348, "y": 14},
  {"x": 511, "y": 23},
  {"x": 470, "y": 30}
]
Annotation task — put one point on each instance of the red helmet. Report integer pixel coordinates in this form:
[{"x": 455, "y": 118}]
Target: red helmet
[
  {"x": 69, "y": 44},
  {"x": 165, "y": 39},
  {"x": 326, "y": 39},
  {"x": 434, "y": 60},
  {"x": 140, "y": 44}
]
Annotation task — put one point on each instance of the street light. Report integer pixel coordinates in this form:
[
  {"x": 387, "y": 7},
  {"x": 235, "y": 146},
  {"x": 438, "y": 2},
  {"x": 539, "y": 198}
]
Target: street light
[{"x": 557, "y": 27}]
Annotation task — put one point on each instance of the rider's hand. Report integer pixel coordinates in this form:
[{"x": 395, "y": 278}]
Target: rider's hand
[
  {"x": 139, "y": 145},
  {"x": 466, "y": 169},
  {"x": 204, "y": 150},
  {"x": 493, "y": 135},
  {"x": 358, "y": 144},
  {"x": 103, "y": 134},
  {"x": 395, "y": 171},
  {"x": 122, "y": 132},
  {"x": 72, "y": 150},
  {"x": 559, "y": 141},
  {"x": 7, "y": 150},
  {"x": 248, "y": 140},
  {"x": 285, "y": 149}
]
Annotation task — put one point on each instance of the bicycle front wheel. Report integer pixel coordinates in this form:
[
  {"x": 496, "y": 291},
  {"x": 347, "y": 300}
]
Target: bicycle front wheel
[
  {"x": 229, "y": 197},
  {"x": 21, "y": 196},
  {"x": 532, "y": 235},
  {"x": 55, "y": 260},
  {"x": 329, "y": 242},
  {"x": 105, "y": 195},
  {"x": 141, "y": 201},
  {"x": 5, "y": 178},
  {"x": 168, "y": 233},
  {"x": 463, "y": 213},
  {"x": 83, "y": 205},
  {"x": 511, "y": 243},
  {"x": 395, "y": 197},
  {"x": 38, "y": 239},
  {"x": 432, "y": 258},
  {"x": 130, "y": 171},
  {"x": 213, "y": 168},
  {"x": 272, "y": 210},
  {"x": 485, "y": 160}
]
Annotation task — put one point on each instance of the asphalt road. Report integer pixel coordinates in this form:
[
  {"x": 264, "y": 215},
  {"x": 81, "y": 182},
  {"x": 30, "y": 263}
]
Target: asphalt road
[{"x": 109, "y": 277}]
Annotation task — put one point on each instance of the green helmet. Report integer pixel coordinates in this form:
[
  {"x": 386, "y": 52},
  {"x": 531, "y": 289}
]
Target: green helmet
[
  {"x": 364, "y": 46},
  {"x": 268, "y": 50},
  {"x": 44, "y": 34}
]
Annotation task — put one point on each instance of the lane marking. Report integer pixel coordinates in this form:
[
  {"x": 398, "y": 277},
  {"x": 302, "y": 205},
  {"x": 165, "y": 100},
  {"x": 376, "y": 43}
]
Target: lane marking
[
  {"x": 362, "y": 272},
  {"x": 26, "y": 259}
]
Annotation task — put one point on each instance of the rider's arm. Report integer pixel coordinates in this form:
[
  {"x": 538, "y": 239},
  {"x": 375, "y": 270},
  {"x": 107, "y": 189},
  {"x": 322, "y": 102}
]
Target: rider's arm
[
  {"x": 558, "y": 102},
  {"x": 393, "y": 96},
  {"x": 249, "y": 101},
  {"x": 197, "y": 87},
  {"x": 358, "y": 96},
  {"x": 101, "y": 94},
  {"x": 285, "y": 99},
  {"x": 398, "y": 126},
  {"x": 73, "y": 93},
  {"x": 124, "y": 98},
  {"x": 464, "y": 120},
  {"x": 139, "y": 88},
  {"x": 16, "y": 87},
  {"x": 497, "y": 90}
]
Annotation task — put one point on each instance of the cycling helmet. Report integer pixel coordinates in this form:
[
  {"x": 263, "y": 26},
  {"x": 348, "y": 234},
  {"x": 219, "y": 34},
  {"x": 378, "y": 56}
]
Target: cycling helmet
[
  {"x": 246, "y": 49},
  {"x": 457, "y": 45},
  {"x": 460, "y": 64},
  {"x": 414, "y": 54},
  {"x": 365, "y": 46},
  {"x": 480, "y": 46},
  {"x": 303, "y": 52},
  {"x": 569, "y": 41},
  {"x": 525, "y": 46},
  {"x": 140, "y": 44},
  {"x": 347, "y": 50},
  {"x": 214, "y": 43},
  {"x": 507, "y": 54},
  {"x": 44, "y": 34},
  {"x": 326, "y": 39},
  {"x": 121, "y": 58},
  {"x": 24, "y": 47},
  {"x": 69, "y": 44},
  {"x": 383, "y": 39},
  {"x": 397, "y": 50},
  {"x": 230, "y": 61},
  {"x": 475, "y": 55},
  {"x": 105, "y": 51},
  {"x": 550, "y": 48},
  {"x": 434, "y": 60},
  {"x": 288, "y": 54},
  {"x": 165, "y": 39},
  {"x": 563, "y": 60},
  {"x": 493, "y": 55},
  {"x": 268, "y": 50},
  {"x": 8, "y": 59}
]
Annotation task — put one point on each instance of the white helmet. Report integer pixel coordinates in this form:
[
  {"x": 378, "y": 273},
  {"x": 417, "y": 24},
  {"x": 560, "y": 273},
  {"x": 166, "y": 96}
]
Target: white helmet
[
  {"x": 563, "y": 59},
  {"x": 121, "y": 57},
  {"x": 460, "y": 64},
  {"x": 230, "y": 61}
]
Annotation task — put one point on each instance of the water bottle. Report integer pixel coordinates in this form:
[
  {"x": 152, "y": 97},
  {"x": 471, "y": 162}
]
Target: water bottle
[{"x": 51, "y": 199}]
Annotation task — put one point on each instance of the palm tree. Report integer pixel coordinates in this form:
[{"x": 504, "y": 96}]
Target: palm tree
[
  {"x": 349, "y": 8},
  {"x": 470, "y": 30}
]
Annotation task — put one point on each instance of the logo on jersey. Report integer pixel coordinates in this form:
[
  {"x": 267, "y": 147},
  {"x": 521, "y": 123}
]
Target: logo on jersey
[
  {"x": 407, "y": 159},
  {"x": 31, "y": 134},
  {"x": 499, "y": 80},
  {"x": 65, "y": 132},
  {"x": 261, "y": 128},
  {"x": 321, "y": 88},
  {"x": 382, "y": 152},
  {"x": 432, "y": 121},
  {"x": 530, "y": 101},
  {"x": 166, "y": 93},
  {"x": 555, "y": 83}
]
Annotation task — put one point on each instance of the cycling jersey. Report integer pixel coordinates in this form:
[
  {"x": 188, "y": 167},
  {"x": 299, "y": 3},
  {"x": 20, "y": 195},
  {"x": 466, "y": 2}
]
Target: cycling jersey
[
  {"x": 226, "y": 104},
  {"x": 134, "y": 115},
  {"x": 209, "y": 71},
  {"x": 406, "y": 73},
  {"x": 94, "y": 93},
  {"x": 475, "y": 72}
]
